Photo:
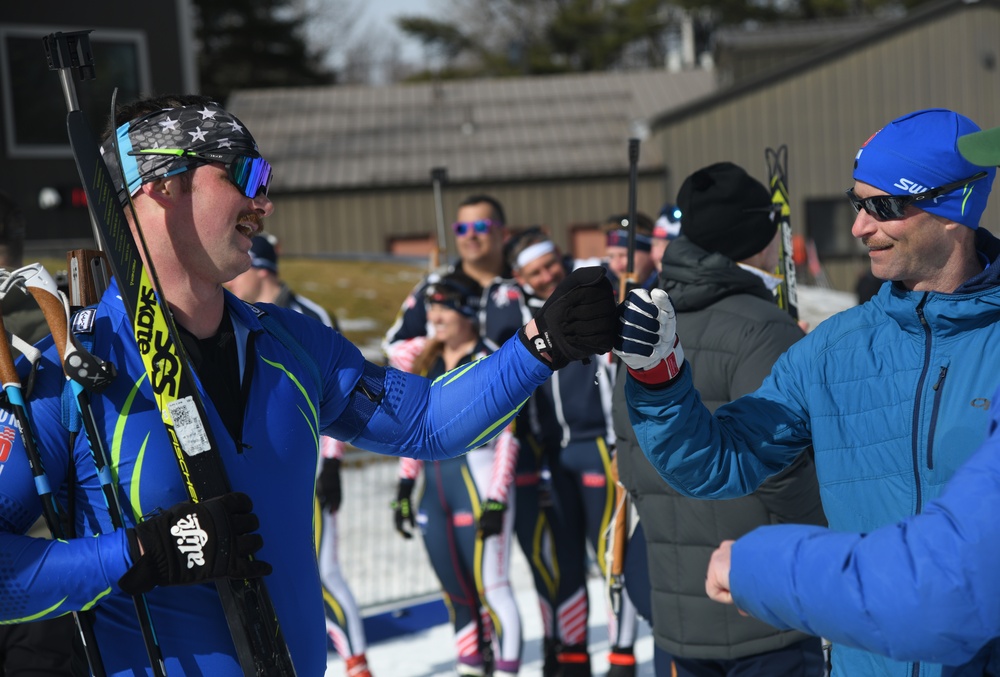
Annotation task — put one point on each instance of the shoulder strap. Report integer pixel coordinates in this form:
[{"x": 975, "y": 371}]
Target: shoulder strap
[{"x": 82, "y": 326}]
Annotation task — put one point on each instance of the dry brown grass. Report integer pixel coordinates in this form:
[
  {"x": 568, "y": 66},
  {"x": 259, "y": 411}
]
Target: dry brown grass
[{"x": 364, "y": 295}]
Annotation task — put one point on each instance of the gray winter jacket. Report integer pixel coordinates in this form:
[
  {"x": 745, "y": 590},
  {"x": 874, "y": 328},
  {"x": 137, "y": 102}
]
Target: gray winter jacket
[{"x": 732, "y": 332}]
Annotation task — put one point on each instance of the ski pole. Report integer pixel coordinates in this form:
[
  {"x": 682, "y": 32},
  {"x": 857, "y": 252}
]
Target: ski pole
[
  {"x": 438, "y": 176},
  {"x": 620, "y": 519},
  {"x": 628, "y": 280},
  {"x": 50, "y": 508},
  {"x": 85, "y": 374}
]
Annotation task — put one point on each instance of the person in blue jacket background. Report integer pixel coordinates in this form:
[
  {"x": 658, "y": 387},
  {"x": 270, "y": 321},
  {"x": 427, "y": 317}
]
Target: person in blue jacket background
[
  {"x": 199, "y": 188},
  {"x": 915, "y": 590},
  {"x": 886, "y": 392}
]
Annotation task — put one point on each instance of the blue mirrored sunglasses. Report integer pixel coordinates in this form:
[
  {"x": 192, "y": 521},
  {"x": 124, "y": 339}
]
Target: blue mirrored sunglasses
[
  {"x": 252, "y": 175},
  {"x": 461, "y": 228}
]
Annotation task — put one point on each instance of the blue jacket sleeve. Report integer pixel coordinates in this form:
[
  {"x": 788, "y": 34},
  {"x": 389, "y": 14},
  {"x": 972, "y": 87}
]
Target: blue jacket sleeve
[
  {"x": 457, "y": 412},
  {"x": 722, "y": 456},
  {"x": 923, "y": 589},
  {"x": 42, "y": 578}
]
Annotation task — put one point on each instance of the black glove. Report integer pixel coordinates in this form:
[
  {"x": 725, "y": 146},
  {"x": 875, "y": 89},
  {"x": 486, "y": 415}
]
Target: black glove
[
  {"x": 577, "y": 321},
  {"x": 328, "y": 485},
  {"x": 402, "y": 511},
  {"x": 491, "y": 518},
  {"x": 193, "y": 543}
]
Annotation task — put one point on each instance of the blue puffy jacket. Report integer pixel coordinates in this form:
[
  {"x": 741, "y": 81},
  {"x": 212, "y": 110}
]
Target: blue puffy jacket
[
  {"x": 893, "y": 394},
  {"x": 925, "y": 588}
]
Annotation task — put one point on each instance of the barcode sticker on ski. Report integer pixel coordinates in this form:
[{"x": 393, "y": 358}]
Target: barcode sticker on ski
[{"x": 188, "y": 426}]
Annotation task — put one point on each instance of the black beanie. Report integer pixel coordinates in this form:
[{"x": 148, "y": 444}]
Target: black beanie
[{"x": 725, "y": 210}]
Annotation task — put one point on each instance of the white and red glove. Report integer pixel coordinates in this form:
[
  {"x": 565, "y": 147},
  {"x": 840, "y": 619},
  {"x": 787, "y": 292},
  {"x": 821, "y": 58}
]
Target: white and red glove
[{"x": 648, "y": 342}]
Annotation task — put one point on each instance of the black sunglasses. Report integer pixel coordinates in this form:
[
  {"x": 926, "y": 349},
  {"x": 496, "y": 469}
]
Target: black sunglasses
[{"x": 893, "y": 207}]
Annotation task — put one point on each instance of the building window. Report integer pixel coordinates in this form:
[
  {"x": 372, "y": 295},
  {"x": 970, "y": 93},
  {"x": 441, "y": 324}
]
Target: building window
[
  {"x": 34, "y": 108},
  {"x": 828, "y": 224}
]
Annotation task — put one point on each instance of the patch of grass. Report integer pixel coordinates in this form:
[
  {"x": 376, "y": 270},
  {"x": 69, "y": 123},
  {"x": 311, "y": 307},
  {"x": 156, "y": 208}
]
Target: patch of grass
[{"x": 364, "y": 295}]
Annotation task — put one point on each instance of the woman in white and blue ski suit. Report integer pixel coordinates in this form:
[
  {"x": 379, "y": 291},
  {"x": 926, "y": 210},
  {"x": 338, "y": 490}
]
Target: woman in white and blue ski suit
[{"x": 470, "y": 557}]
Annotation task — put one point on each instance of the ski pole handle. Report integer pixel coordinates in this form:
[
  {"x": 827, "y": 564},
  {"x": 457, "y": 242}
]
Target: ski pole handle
[{"x": 628, "y": 280}]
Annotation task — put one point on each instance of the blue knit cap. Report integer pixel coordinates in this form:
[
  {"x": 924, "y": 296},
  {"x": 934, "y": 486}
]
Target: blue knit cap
[{"x": 919, "y": 152}]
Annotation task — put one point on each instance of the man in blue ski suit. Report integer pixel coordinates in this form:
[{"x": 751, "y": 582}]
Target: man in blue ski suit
[
  {"x": 916, "y": 590},
  {"x": 888, "y": 392},
  {"x": 199, "y": 187}
]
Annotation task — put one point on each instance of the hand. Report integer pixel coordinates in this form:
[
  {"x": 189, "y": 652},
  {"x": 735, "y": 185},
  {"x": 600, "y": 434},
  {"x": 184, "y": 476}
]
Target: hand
[
  {"x": 648, "y": 343},
  {"x": 328, "y": 485},
  {"x": 193, "y": 543},
  {"x": 577, "y": 321},
  {"x": 717, "y": 578},
  {"x": 403, "y": 354},
  {"x": 491, "y": 518},
  {"x": 402, "y": 511}
]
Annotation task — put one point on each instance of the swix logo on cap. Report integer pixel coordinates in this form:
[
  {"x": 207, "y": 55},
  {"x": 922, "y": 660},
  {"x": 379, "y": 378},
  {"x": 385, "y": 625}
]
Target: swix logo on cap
[
  {"x": 910, "y": 186},
  {"x": 6, "y": 442}
]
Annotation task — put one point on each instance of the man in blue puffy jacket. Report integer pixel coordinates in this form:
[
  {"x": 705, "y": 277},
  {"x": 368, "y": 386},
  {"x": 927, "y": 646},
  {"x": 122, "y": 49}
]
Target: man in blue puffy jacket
[
  {"x": 912, "y": 590},
  {"x": 199, "y": 187},
  {"x": 887, "y": 392}
]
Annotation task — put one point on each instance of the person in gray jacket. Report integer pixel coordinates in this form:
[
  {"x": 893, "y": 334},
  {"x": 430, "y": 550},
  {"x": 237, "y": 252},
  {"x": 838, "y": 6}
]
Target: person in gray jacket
[{"x": 718, "y": 276}]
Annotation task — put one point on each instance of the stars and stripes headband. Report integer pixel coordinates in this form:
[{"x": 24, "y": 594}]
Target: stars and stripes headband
[{"x": 172, "y": 140}]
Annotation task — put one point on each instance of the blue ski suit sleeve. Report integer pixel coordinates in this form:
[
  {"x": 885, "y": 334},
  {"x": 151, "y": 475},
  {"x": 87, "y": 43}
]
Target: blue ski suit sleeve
[
  {"x": 922, "y": 589},
  {"x": 456, "y": 412},
  {"x": 25, "y": 560}
]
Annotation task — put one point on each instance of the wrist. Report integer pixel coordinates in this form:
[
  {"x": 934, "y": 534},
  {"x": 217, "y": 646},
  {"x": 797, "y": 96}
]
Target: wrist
[
  {"x": 663, "y": 372},
  {"x": 531, "y": 338}
]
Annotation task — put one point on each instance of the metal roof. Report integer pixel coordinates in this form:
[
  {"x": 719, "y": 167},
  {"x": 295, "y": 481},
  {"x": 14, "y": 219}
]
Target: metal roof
[{"x": 547, "y": 127}]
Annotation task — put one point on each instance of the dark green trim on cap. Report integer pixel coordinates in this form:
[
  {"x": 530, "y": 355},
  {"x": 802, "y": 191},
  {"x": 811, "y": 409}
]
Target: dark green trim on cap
[{"x": 981, "y": 148}]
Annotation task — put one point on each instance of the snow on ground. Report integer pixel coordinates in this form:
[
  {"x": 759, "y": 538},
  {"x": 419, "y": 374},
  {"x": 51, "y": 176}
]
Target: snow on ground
[{"x": 431, "y": 653}]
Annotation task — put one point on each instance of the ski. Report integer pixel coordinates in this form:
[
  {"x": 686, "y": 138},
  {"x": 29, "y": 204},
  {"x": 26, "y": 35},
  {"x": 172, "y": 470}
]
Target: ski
[
  {"x": 777, "y": 168},
  {"x": 253, "y": 622}
]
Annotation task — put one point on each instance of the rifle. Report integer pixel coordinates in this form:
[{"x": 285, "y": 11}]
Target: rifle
[
  {"x": 438, "y": 176},
  {"x": 620, "y": 519},
  {"x": 777, "y": 167}
]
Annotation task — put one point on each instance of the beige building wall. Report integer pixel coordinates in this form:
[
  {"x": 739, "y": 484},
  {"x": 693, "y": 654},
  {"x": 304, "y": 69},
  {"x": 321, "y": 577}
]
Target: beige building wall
[
  {"x": 366, "y": 222},
  {"x": 824, "y": 113}
]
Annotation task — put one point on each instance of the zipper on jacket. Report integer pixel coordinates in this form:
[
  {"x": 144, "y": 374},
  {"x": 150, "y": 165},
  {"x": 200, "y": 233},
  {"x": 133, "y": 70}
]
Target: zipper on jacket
[
  {"x": 918, "y": 398},
  {"x": 938, "y": 389},
  {"x": 245, "y": 389}
]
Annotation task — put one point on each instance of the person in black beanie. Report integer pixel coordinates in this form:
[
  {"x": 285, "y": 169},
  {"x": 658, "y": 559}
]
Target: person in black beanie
[{"x": 717, "y": 273}]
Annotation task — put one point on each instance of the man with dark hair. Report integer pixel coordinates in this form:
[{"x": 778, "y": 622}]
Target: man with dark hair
[
  {"x": 480, "y": 230},
  {"x": 882, "y": 390},
  {"x": 198, "y": 185},
  {"x": 717, "y": 272},
  {"x": 575, "y": 446}
]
